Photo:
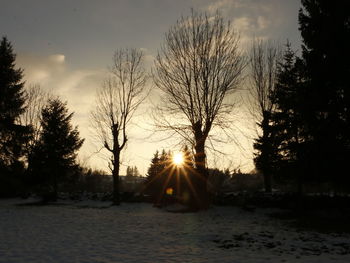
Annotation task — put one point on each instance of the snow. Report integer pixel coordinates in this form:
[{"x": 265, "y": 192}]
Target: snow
[{"x": 92, "y": 231}]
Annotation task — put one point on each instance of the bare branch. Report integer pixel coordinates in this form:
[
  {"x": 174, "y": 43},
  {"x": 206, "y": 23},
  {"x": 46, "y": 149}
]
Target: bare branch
[
  {"x": 116, "y": 102},
  {"x": 197, "y": 69},
  {"x": 264, "y": 59},
  {"x": 36, "y": 100}
]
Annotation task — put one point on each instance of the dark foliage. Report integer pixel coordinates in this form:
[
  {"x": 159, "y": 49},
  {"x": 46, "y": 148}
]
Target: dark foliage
[
  {"x": 263, "y": 62},
  {"x": 12, "y": 135},
  {"x": 217, "y": 179},
  {"x": 132, "y": 171},
  {"x": 164, "y": 175},
  {"x": 54, "y": 157},
  {"x": 310, "y": 126},
  {"x": 325, "y": 28},
  {"x": 95, "y": 181},
  {"x": 157, "y": 175},
  {"x": 289, "y": 136}
]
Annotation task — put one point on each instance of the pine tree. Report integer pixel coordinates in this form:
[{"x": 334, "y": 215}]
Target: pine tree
[
  {"x": 325, "y": 29},
  {"x": 287, "y": 127},
  {"x": 12, "y": 135},
  {"x": 158, "y": 175},
  {"x": 188, "y": 158},
  {"x": 132, "y": 171},
  {"x": 129, "y": 171},
  {"x": 54, "y": 157},
  {"x": 135, "y": 172}
]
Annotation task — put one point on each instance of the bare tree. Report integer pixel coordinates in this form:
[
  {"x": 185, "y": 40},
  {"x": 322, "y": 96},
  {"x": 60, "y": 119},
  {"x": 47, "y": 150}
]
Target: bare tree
[
  {"x": 116, "y": 103},
  {"x": 36, "y": 99},
  {"x": 264, "y": 59},
  {"x": 198, "y": 67}
]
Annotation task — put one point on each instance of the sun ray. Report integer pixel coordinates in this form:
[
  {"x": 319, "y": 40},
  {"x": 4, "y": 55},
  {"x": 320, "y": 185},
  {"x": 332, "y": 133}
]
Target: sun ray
[{"x": 178, "y": 159}]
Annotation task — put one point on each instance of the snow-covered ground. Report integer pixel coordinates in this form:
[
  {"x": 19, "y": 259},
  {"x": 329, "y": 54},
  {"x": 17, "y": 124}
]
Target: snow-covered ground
[{"x": 95, "y": 232}]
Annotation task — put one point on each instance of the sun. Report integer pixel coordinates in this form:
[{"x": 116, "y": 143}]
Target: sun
[{"x": 178, "y": 159}]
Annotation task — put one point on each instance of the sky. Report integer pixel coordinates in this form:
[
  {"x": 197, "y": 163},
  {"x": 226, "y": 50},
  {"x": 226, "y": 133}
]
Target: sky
[{"x": 66, "y": 47}]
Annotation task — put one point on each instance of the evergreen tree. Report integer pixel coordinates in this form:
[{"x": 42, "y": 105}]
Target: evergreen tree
[
  {"x": 163, "y": 173},
  {"x": 325, "y": 29},
  {"x": 154, "y": 168},
  {"x": 287, "y": 129},
  {"x": 263, "y": 62},
  {"x": 156, "y": 175},
  {"x": 129, "y": 171},
  {"x": 12, "y": 101},
  {"x": 54, "y": 157},
  {"x": 217, "y": 179},
  {"x": 132, "y": 171},
  {"x": 13, "y": 136},
  {"x": 135, "y": 172},
  {"x": 188, "y": 158}
]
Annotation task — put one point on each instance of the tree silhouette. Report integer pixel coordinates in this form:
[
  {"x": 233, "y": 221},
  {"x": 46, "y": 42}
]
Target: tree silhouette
[
  {"x": 264, "y": 59},
  {"x": 12, "y": 100},
  {"x": 132, "y": 171},
  {"x": 288, "y": 128},
  {"x": 197, "y": 69},
  {"x": 54, "y": 156},
  {"x": 13, "y": 136},
  {"x": 158, "y": 175},
  {"x": 117, "y": 100},
  {"x": 36, "y": 100},
  {"x": 325, "y": 30},
  {"x": 164, "y": 174}
]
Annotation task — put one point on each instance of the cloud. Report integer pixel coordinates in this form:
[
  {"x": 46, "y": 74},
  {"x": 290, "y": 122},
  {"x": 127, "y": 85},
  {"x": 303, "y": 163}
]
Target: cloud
[
  {"x": 77, "y": 87},
  {"x": 251, "y": 18},
  {"x": 148, "y": 58},
  {"x": 57, "y": 58},
  {"x": 224, "y": 4},
  {"x": 41, "y": 69}
]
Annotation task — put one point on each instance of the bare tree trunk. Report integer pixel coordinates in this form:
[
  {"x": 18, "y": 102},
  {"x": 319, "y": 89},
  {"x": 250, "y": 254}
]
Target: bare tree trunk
[
  {"x": 117, "y": 101},
  {"x": 115, "y": 175},
  {"x": 198, "y": 68},
  {"x": 201, "y": 181},
  {"x": 116, "y": 165},
  {"x": 202, "y": 200},
  {"x": 264, "y": 59}
]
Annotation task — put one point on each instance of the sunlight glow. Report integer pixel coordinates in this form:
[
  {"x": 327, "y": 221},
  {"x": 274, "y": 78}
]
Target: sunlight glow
[
  {"x": 178, "y": 159},
  {"x": 169, "y": 191}
]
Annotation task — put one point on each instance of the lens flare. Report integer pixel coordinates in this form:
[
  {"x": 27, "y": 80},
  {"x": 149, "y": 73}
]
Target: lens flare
[
  {"x": 178, "y": 159},
  {"x": 169, "y": 191}
]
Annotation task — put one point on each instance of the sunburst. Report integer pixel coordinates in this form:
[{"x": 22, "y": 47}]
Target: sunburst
[{"x": 178, "y": 159}]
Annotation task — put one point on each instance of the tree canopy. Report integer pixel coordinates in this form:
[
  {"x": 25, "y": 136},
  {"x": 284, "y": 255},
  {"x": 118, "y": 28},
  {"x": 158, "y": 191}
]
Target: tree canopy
[
  {"x": 54, "y": 156},
  {"x": 12, "y": 99}
]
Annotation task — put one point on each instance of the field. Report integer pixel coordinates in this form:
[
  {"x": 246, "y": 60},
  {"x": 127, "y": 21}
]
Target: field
[{"x": 91, "y": 231}]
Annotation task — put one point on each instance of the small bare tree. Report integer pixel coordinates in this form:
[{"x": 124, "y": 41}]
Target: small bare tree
[
  {"x": 198, "y": 67},
  {"x": 36, "y": 99},
  {"x": 116, "y": 103},
  {"x": 264, "y": 59}
]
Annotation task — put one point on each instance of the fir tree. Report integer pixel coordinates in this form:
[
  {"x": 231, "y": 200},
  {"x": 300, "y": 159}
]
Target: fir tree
[
  {"x": 188, "y": 158},
  {"x": 129, "y": 171},
  {"x": 325, "y": 29},
  {"x": 132, "y": 171},
  {"x": 12, "y": 99},
  {"x": 287, "y": 126},
  {"x": 158, "y": 175},
  {"x": 13, "y": 136},
  {"x": 54, "y": 156}
]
